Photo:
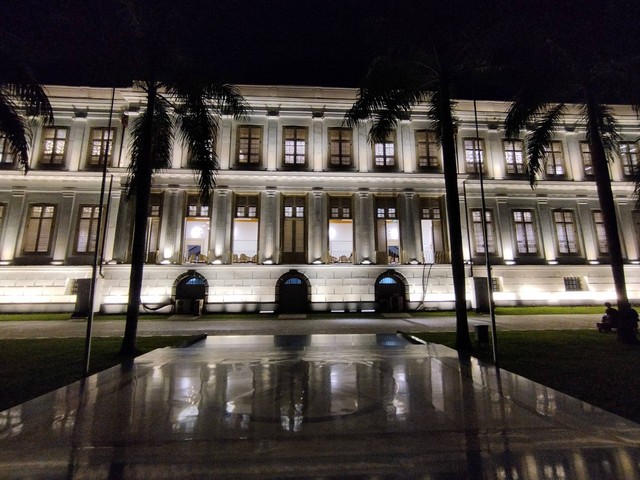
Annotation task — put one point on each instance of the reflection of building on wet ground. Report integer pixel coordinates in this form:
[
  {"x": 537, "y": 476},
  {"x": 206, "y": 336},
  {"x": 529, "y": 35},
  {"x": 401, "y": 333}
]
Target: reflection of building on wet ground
[
  {"x": 310, "y": 407},
  {"x": 297, "y": 191}
]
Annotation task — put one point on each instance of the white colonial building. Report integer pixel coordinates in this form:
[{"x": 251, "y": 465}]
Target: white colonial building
[{"x": 307, "y": 214}]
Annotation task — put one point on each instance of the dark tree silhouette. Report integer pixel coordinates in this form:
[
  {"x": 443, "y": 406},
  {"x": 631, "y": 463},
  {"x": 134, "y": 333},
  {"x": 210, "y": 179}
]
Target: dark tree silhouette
[
  {"x": 21, "y": 97},
  {"x": 177, "y": 103},
  {"x": 576, "y": 60},
  {"x": 425, "y": 67}
]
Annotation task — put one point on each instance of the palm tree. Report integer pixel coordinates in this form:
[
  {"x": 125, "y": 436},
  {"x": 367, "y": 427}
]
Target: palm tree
[
  {"x": 592, "y": 71},
  {"x": 395, "y": 84},
  {"x": 20, "y": 95},
  {"x": 191, "y": 109},
  {"x": 177, "y": 103}
]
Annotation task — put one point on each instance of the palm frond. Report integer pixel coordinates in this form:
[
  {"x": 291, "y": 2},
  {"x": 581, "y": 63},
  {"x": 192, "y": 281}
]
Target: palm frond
[
  {"x": 607, "y": 130},
  {"x": 198, "y": 112},
  {"x": 33, "y": 98},
  {"x": 14, "y": 129},
  {"x": 523, "y": 110},
  {"x": 436, "y": 114},
  {"x": 227, "y": 100},
  {"x": 540, "y": 139},
  {"x": 161, "y": 142},
  {"x": 198, "y": 129},
  {"x": 390, "y": 90}
]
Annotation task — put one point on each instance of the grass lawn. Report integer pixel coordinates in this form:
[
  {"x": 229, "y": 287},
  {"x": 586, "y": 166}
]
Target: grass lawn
[
  {"x": 585, "y": 364},
  {"x": 29, "y": 368}
]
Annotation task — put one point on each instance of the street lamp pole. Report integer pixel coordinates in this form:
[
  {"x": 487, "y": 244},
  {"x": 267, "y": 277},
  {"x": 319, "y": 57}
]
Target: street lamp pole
[
  {"x": 94, "y": 270},
  {"x": 479, "y": 165}
]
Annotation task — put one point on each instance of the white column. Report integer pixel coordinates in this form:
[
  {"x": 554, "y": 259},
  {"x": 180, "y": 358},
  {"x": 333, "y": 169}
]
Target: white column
[
  {"x": 273, "y": 126},
  {"x": 362, "y": 147},
  {"x": 221, "y": 223},
  {"x": 406, "y": 157},
  {"x": 364, "y": 241},
  {"x": 64, "y": 235},
  {"x": 547, "y": 230},
  {"x": 628, "y": 239},
  {"x": 317, "y": 229},
  {"x": 13, "y": 221},
  {"x": 317, "y": 143},
  {"x": 224, "y": 144},
  {"x": 111, "y": 225},
  {"x": 171, "y": 226},
  {"x": 408, "y": 229},
  {"x": 76, "y": 139},
  {"x": 269, "y": 227},
  {"x": 505, "y": 230},
  {"x": 586, "y": 230}
]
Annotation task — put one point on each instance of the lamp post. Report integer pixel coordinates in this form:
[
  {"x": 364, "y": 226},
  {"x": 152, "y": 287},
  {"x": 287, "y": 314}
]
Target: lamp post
[
  {"x": 94, "y": 269},
  {"x": 479, "y": 165}
]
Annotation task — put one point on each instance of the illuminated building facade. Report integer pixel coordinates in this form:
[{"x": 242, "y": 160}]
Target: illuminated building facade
[{"x": 308, "y": 215}]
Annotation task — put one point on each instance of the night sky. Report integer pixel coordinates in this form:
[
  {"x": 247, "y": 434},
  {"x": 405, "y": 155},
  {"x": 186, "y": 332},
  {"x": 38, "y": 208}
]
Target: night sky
[
  {"x": 319, "y": 43},
  {"x": 88, "y": 42}
]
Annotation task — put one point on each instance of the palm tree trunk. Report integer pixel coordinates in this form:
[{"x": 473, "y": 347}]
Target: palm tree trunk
[
  {"x": 609, "y": 217},
  {"x": 142, "y": 191},
  {"x": 463, "y": 342}
]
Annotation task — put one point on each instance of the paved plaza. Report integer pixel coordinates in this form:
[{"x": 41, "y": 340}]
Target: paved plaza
[
  {"x": 312, "y": 324},
  {"x": 322, "y": 406}
]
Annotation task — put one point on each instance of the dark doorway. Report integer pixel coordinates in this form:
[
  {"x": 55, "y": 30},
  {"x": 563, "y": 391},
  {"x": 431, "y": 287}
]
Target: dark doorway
[
  {"x": 190, "y": 293},
  {"x": 390, "y": 292},
  {"x": 293, "y": 293}
]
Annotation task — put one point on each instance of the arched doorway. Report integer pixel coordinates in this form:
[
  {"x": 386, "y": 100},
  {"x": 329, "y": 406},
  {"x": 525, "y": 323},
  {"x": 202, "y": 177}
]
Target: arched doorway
[
  {"x": 293, "y": 293},
  {"x": 190, "y": 292},
  {"x": 390, "y": 292}
]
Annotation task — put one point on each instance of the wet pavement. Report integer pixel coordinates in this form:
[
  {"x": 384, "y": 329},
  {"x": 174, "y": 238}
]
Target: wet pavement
[
  {"x": 254, "y": 325},
  {"x": 313, "y": 406}
]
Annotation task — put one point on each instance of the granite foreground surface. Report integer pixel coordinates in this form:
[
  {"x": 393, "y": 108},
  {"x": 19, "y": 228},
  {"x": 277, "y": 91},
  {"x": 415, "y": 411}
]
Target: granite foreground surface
[{"x": 318, "y": 406}]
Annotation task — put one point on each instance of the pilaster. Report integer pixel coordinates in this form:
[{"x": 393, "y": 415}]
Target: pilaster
[{"x": 364, "y": 240}]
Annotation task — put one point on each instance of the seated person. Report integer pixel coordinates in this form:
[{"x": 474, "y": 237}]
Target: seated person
[{"x": 609, "y": 319}]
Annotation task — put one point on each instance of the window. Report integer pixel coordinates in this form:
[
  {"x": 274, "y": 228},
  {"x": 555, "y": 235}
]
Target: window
[
  {"x": 554, "y": 159},
  {"x": 249, "y": 151},
  {"x": 340, "y": 207},
  {"x": 38, "y": 235},
  {"x": 478, "y": 233},
  {"x": 629, "y": 157},
  {"x": 572, "y": 284},
  {"x": 245, "y": 230},
  {"x": 293, "y": 233},
  {"x": 587, "y": 163},
  {"x": 54, "y": 146},
  {"x": 295, "y": 146},
  {"x": 340, "y": 230},
  {"x": 384, "y": 153},
  {"x": 474, "y": 154},
  {"x": 427, "y": 150},
  {"x": 566, "y": 234},
  {"x": 514, "y": 157},
  {"x": 246, "y": 206},
  {"x": 196, "y": 231},
  {"x": 525, "y": 229},
  {"x": 340, "y": 147},
  {"x": 601, "y": 236},
  {"x": 433, "y": 248},
  {"x": 101, "y": 139},
  {"x": 195, "y": 208},
  {"x": 87, "y": 235},
  {"x": 153, "y": 227},
  {"x": 8, "y": 155},
  {"x": 387, "y": 231}
]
